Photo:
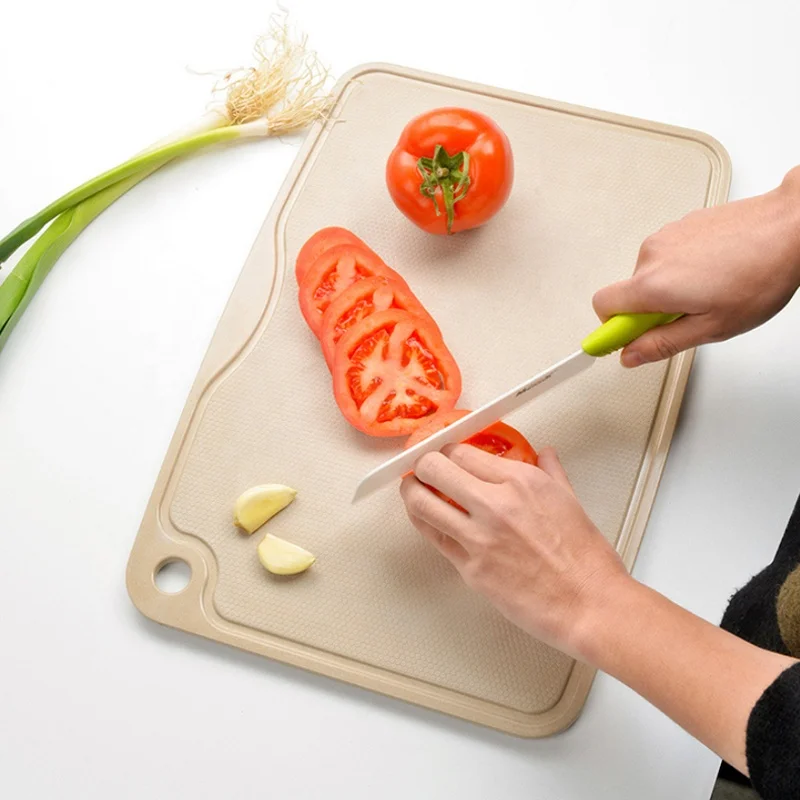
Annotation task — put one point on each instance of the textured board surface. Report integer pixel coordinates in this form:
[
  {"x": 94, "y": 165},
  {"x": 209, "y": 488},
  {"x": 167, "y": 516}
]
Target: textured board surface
[{"x": 381, "y": 608}]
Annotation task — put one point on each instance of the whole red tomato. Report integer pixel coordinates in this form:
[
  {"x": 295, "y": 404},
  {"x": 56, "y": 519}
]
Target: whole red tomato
[{"x": 451, "y": 170}]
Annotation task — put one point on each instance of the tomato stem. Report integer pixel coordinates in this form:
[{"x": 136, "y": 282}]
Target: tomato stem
[{"x": 448, "y": 173}]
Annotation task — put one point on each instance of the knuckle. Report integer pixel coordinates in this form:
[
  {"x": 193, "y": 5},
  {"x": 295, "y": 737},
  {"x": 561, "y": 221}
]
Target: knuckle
[
  {"x": 473, "y": 571},
  {"x": 480, "y": 543},
  {"x": 648, "y": 248},
  {"x": 507, "y": 510},
  {"x": 521, "y": 484},
  {"x": 652, "y": 247},
  {"x": 526, "y": 478},
  {"x": 601, "y": 297},
  {"x": 482, "y": 501},
  {"x": 665, "y": 348},
  {"x": 418, "y": 500},
  {"x": 427, "y": 502},
  {"x": 459, "y": 453},
  {"x": 429, "y": 465},
  {"x": 647, "y": 280}
]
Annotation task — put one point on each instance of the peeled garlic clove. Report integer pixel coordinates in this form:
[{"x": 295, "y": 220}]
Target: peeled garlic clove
[
  {"x": 255, "y": 506},
  {"x": 283, "y": 558}
]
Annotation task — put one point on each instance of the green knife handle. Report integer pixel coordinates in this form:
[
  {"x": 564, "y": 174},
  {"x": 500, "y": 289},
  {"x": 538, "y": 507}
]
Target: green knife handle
[{"x": 621, "y": 330}]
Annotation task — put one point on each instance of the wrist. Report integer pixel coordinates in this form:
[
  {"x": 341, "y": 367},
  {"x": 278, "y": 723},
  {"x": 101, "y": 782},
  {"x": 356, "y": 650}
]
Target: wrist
[{"x": 605, "y": 611}]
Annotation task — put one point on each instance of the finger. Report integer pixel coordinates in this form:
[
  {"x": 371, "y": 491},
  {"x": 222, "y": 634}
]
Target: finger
[
  {"x": 549, "y": 463},
  {"x": 423, "y": 504},
  {"x": 631, "y": 296},
  {"x": 482, "y": 465},
  {"x": 448, "y": 547},
  {"x": 665, "y": 341},
  {"x": 437, "y": 470}
]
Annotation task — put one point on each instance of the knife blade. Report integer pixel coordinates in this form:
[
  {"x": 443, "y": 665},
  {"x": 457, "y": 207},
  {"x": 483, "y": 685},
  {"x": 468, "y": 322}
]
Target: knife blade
[{"x": 609, "y": 337}]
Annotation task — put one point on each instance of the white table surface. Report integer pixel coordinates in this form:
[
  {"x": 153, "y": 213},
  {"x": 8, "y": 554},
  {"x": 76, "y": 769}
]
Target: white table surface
[{"x": 96, "y": 701}]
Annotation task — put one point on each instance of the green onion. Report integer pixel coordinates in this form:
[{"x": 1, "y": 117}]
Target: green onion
[
  {"x": 283, "y": 93},
  {"x": 142, "y": 163},
  {"x": 21, "y": 284},
  {"x": 23, "y": 281}
]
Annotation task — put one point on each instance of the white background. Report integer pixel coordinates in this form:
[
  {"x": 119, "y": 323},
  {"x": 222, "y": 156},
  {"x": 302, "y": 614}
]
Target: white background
[{"x": 97, "y": 702}]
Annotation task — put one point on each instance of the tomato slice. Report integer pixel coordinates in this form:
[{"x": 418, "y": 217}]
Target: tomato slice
[
  {"x": 392, "y": 371},
  {"x": 498, "y": 439},
  {"x": 361, "y": 299},
  {"x": 332, "y": 273},
  {"x": 322, "y": 241}
]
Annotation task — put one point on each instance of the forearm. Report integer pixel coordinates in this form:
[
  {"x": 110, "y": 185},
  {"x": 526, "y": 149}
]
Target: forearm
[
  {"x": 704, "y": 678},
  {"x": 789, "y": 194}
]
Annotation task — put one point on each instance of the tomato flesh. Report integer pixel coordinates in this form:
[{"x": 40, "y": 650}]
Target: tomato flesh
[
  {"x": 358, "y": 301},
  {"x": 333, "y": 272},
  {"x": 322, "y": 241},
  {"x": 392, "y": 371},
  {"x": 491, "y": 443},
  {"x": 369, "y": 371}
]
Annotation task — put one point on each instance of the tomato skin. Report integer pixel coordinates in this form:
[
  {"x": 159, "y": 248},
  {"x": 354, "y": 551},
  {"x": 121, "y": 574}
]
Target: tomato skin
[
  {"x": 361, "y": 299},
  {"x": 333, "y": 272},
  {"x": 491, "y": 168},
  {"x": 389, "y": 353},
  {"x": 322, "y": 241}
]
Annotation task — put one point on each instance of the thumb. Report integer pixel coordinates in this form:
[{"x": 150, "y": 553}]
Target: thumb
[
  {"x": 549, "y": 464},
  {"x": 663, "y": 342},
  {"x": 628, "y": 296}
]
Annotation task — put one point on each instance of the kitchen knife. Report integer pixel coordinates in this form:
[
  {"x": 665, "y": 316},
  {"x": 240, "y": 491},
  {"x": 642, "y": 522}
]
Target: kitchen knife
[{"x": 609, "y": 337}]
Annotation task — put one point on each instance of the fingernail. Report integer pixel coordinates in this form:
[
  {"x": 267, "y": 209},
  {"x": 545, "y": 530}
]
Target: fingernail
[{"x": 632, "y": 359}]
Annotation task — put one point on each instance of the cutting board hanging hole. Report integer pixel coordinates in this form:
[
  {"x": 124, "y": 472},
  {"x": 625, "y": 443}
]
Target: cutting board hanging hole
[{"x": 172, "y": 576}]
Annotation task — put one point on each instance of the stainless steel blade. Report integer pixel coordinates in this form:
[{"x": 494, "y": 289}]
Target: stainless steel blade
[{"x": 474, "y": 422}]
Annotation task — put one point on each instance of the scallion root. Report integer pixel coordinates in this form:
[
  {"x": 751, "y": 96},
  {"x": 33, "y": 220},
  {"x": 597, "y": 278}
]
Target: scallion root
[{"x": 287, "y": 84}]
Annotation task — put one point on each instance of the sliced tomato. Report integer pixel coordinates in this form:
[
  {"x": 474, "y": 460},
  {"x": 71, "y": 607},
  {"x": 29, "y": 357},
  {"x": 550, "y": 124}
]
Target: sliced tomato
[
  {"x": 333, "y": 272},
  {"x": 361, "y": 299},
  {"x": 498, "y": 439},
  {"x": 322, "y": 241},
  {"x": 392, "y": 371}
]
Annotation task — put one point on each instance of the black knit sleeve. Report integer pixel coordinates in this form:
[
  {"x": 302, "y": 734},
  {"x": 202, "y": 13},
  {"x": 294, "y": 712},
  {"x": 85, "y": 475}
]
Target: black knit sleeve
[{"x": 773, "y": 739}]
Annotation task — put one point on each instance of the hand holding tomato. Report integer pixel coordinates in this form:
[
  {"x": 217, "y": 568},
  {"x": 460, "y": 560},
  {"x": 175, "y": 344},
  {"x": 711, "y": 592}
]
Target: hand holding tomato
[
  {"x": 521, "y": 539},
  {"x": 451, "y": 170}
]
